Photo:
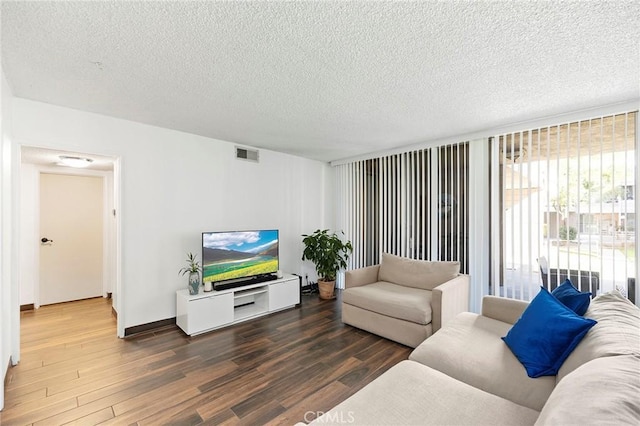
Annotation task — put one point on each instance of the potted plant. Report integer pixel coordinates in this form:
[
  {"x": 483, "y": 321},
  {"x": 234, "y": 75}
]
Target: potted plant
[
  {"x": 193, "y": 269},
  {"x": 329, "y": 254}
]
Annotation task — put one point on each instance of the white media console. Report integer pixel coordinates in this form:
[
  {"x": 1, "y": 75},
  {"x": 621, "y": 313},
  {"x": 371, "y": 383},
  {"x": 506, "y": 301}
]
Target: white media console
[{"x": 199, "y": 313}]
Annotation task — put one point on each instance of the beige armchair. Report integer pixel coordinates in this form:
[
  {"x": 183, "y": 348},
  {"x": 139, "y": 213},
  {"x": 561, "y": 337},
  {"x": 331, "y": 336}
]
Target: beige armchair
[{"x": 404, "y": 300}]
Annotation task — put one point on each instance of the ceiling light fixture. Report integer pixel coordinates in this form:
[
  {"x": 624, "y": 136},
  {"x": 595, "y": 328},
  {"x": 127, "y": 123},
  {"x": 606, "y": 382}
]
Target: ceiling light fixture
[{"x": 78, "y": 162}]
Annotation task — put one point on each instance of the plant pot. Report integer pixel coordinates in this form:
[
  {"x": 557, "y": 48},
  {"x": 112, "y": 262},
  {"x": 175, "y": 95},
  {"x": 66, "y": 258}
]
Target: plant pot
[
  {"x": 326, "y": 289},
  {"x": 194, "y": 283}
]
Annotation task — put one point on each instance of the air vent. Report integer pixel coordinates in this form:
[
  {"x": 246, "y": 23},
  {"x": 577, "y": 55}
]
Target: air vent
[{"x": 247, "y": 154}]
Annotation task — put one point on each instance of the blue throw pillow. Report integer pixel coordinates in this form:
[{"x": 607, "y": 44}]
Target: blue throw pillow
[
  {"x": 572, "y": 298},
  {"x": 545, "y": 335}
]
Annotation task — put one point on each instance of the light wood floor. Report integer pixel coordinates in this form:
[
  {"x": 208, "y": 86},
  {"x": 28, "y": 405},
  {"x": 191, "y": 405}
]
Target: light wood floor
[{"x": 273, "y": 370}]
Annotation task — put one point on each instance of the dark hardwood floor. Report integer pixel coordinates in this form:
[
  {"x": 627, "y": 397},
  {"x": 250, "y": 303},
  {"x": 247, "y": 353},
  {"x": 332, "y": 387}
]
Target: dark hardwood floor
[{"x": 279, "y": 369}]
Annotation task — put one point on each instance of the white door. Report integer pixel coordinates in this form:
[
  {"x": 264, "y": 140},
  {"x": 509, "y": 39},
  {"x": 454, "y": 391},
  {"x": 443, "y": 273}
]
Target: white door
[{"x": 71, "y": 219}]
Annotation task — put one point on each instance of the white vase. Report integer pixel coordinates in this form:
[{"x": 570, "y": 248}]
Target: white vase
[{"x": 208, "y": 286}]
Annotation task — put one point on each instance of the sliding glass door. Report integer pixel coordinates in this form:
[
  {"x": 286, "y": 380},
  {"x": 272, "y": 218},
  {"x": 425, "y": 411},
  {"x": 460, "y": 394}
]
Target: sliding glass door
[{"x": 563, "y": 206}]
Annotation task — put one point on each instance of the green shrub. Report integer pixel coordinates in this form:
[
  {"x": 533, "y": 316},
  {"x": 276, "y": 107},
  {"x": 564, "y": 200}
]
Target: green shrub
[{"x": 570, "y": 235}]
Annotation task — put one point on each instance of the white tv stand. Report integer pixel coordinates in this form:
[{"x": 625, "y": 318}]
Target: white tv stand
[{"x": 199, "y": 313}]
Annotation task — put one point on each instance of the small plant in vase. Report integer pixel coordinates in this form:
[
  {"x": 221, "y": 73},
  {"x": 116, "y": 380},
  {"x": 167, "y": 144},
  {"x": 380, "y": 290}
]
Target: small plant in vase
[
  {"x": 193, "y": 269},
  {"x": 329, "y": 254}
]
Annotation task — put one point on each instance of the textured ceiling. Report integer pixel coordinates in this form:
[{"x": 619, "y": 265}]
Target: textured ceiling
[{"x": 323, "y": 80}]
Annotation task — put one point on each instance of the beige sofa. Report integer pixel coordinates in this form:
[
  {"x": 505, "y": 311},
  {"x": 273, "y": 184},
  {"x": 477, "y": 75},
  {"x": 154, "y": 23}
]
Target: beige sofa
[
  {"x": 404, "y": 300},
  {"x": 465, "y": 375}
]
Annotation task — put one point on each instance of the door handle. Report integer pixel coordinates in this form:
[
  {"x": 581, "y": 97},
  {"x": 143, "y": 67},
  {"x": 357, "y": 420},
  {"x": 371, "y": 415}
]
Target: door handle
[{"x": 45, "y": 240}]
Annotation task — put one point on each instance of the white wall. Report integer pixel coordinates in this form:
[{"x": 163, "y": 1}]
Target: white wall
[
  {"x": 110, "y": 236},
  {"x": 176, "y": 185},
  {"x": 9, "y": 309},
  {"x": 28, "y": 232}
]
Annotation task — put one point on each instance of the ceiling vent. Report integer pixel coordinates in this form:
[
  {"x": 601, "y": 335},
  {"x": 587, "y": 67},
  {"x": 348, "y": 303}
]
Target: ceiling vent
[{"x": 247, "y": 154}]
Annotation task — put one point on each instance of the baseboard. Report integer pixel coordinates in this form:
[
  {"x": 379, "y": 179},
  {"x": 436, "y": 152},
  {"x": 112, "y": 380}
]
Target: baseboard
[
  {"x": 27, "y": 307},
  {"x": 6, "y": 374},
  {"x": 114, "y": 312},
  {"x": 143, "y": 328}
]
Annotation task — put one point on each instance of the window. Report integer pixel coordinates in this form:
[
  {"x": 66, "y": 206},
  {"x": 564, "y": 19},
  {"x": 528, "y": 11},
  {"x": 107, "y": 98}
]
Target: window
[
  {"x": 411, "y": 204},
  {"x": 563, "y": 206}
]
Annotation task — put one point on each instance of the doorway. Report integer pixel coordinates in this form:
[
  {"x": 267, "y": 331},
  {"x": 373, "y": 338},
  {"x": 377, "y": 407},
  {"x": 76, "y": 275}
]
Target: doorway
[{"x": 79, "y": 260}]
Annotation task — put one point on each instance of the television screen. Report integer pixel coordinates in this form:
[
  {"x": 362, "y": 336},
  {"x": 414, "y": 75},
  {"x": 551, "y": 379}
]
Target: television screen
[{"x": 238, "y": 254}]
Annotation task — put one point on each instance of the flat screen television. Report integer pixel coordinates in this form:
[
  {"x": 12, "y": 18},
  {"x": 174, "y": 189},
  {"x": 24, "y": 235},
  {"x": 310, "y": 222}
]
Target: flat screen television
[{"x": 235, "y": 258}]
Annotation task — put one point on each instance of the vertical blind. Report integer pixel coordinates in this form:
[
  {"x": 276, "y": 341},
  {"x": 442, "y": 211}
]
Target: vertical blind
[
  {"x": 563, "y": 206},
  {"x": 411, "y": 204}
]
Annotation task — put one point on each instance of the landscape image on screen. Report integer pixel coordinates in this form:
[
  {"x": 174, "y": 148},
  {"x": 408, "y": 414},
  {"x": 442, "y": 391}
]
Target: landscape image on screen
[{"x": 232, "y": 255}]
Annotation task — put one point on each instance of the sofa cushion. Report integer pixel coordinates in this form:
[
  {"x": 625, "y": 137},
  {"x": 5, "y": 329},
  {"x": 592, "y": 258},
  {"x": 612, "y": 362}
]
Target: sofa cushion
[
  {"x": 571, "y": 297},
  {"x": 503, "y": 309},
  {"x": 412, "y": 394},
  {"x": 604, "y": 391},
  {"x": 469, "y": 349},
  {"x": 545, "y": 335},
  {"x": 406, "y": 332},
  {"x": 416, "y": 273},
  {"x": 617, "y": 332},
  {"x": 396, "y": 301}
]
